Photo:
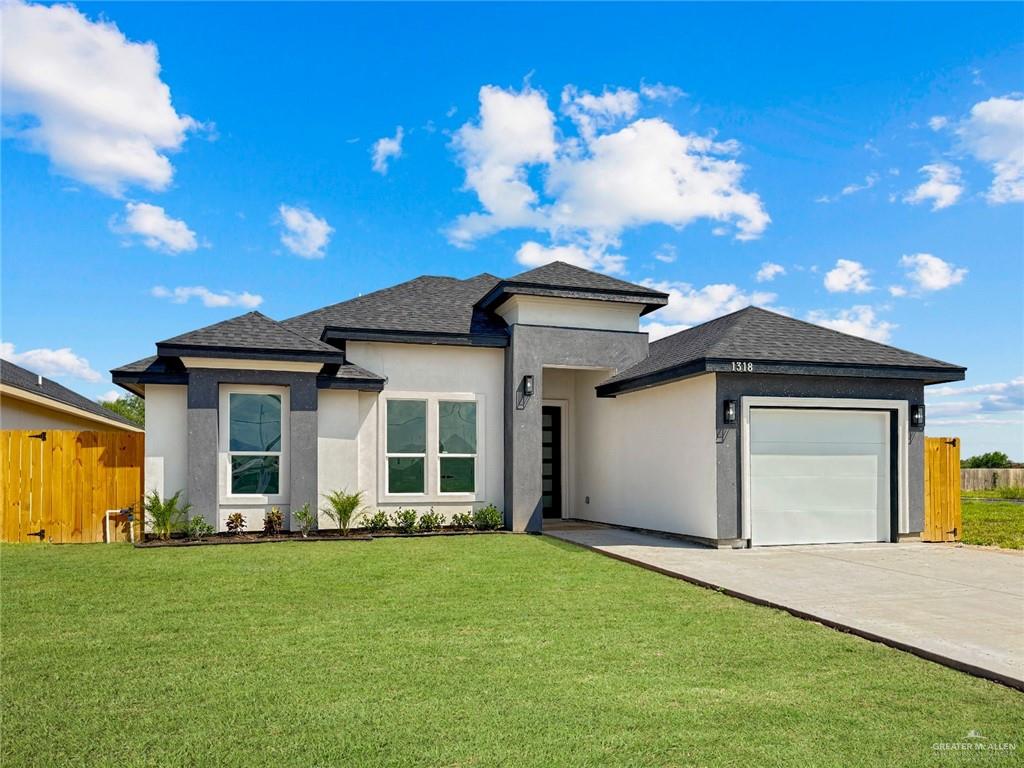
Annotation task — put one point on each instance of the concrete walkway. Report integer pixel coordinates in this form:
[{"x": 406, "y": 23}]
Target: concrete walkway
[{"x": 959, "y": 606}]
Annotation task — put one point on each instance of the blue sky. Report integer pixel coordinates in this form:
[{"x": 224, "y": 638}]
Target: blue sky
[{"x": 857, "y": 165}]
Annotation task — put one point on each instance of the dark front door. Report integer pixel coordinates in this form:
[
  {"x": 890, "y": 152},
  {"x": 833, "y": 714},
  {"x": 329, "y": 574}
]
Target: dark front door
[{"x": 551, "y": 460}]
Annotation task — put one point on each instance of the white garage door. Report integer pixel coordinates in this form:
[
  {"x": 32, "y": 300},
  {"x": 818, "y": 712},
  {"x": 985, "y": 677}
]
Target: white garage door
[{"x": 818, "y": 476}]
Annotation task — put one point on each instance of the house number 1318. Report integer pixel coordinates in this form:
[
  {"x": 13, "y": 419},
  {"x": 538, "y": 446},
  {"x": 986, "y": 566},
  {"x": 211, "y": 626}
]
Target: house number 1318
[{"x": 742, "y": 366}]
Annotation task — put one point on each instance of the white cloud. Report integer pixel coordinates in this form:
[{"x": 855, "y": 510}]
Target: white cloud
[
  {"x": 656, "y": 330},
  {"x": 606, "y": 179},
  {"x": 999, "y": 387},
  {"x": 155, "y": 228},
  {"x": 851, "y": 189},
  {"x": 661, "y": 92},
  {"x": 938, "y": 122},
  {"x": 386, "y": 149},
  {"x": 110, "y": 395},
  {"x": 930, "y": 273},
  {"x": 666, "y": 253},
  {"x": 688, "y": 306},
  {"x": 182, "y": 294},
  {"x": 897, "y": 291},
  {"x": 533, "y": 254},
  {"x": 994, "y": 134},
  {"x": 769, "y": 272},
  {"x": 859, "y": 320},
  {"x": 50, "y": 362},
  {"x": 942, "y": 186},
  {"x": 847, "y": 276},
  {"x": 304, "y": 233},
  {"x": 99, "y": 109}
]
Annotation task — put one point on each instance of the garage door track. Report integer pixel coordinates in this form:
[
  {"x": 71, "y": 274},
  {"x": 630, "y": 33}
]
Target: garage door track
[{"x": 960, "y": 606}]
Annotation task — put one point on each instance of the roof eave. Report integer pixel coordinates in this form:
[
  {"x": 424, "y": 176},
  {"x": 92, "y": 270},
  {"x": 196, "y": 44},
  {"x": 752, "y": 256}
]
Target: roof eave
[
  {"x": 925, "y": 374},
  {"x": 339, "y": 334},
  {"x": 243, "y": 353},
  {"x": 504, "y": 290}
]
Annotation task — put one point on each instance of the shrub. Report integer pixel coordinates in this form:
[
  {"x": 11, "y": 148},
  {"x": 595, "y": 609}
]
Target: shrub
[
  {"x": 273, "y": 521},
  {"x": 488, "y": 518},
  {"x": 306, "y": 518},
  {"x": 404, "y": 520},
  {"x": 165, "y": 516},
  {"x": 342, "y": 508},
  {"x": 462, "y": 520},
  {"x": 236, "y": 523},
  {"x": 198, "y": 529},
  {"x": 377, "y": 522},
  {"x": 429, "y": 521}
]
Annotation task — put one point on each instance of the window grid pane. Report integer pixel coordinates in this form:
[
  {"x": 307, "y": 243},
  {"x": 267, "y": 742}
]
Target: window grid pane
[
  {"x": 458, "y": 475},
  {"x": 255, "y": 422},
  {"x": 405, "y": 475},
  {"x": 256, "y": 474},
  {"x": 456, "y": 427},
  {"x": 407, "y": 426}
]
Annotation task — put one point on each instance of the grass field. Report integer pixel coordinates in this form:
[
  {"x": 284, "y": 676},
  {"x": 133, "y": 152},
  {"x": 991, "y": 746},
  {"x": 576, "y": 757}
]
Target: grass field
[
  {"x": 993, "y": 523},
  {"x": 473, "y": 651}
]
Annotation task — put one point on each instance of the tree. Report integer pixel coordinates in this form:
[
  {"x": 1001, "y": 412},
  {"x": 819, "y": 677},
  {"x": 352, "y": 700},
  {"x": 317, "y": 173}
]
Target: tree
[
  {"x": 992, "y": 460},
  {"x": 131, "y": 407}
]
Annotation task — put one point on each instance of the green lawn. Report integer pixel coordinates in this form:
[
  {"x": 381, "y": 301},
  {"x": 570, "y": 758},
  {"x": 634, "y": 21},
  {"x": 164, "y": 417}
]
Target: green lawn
[
  {"x": 997, "y": 523},
  {"x": 470, "y": 651}
]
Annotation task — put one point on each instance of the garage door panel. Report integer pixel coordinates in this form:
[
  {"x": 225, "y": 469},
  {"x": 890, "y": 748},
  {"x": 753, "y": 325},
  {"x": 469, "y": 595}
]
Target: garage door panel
[
  {"x": 818, "y": 476},
  {"x": 810, "y": 493},
  {"x": 854, "y": 464},
  {"x": 805, "y": 426}
]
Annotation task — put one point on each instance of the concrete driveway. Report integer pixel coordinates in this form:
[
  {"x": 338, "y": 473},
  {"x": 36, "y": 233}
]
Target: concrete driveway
[{"x": 960, "y": 606}]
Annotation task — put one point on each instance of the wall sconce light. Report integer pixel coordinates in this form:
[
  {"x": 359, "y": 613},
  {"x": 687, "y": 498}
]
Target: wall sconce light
[
  {"x": 729, "y": 412},
  {"x": 527, "y": 386},
  {"x": 917, "y": 415}
]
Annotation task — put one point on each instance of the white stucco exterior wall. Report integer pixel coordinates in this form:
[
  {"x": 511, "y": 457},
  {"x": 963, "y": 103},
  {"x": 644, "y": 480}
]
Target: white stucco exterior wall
[
  {"x": 166, "y": 469},
  {"x": 571, "y": 313},
  {"x": 647, "y": 459},
  {"x": 431, "y": 370},
  {"x": 338, "y": 423}
]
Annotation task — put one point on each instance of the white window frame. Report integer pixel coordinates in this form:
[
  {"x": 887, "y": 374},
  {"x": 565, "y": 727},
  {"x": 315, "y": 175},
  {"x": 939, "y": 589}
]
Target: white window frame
[
  {"x": 225, "y": 452},
  {"x": 426, "y": 447},
  {"x": 432, "y": 465},
  {"x": 473, "y": 456}
]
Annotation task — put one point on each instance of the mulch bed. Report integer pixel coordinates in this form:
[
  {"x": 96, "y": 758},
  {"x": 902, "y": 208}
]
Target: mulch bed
[{"x": 262, "y": 538}]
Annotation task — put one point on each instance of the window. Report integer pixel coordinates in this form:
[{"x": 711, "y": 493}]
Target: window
[
  {"x": 406, "y": 446},
  {"x": 456, "y": 446},
  {"x": 254, "y": 443}
]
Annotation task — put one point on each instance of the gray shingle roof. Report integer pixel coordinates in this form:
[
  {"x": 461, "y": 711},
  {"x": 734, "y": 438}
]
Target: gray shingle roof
[
  {"x": 558, "y": 273},
  {"x": 758, "y": 335},
  {"x": 254, "y": 332},
  {"x": 425, "y": 305},
  {"x": 20, "y": 378},
  {"x": 562, "y": 280}
]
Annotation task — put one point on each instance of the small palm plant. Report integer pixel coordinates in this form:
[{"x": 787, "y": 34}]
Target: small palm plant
[
  {"x": 342, "y": 508},
  {"x": 166, "y": 516}
]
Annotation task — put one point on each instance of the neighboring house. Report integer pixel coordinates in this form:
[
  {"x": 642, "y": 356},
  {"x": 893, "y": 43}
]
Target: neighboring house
[
  {"x": 539, "y": 393},
  {"x": 30, "y": 401}
]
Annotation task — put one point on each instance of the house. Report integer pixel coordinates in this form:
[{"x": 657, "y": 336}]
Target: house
[
  {"x": 540, "y": 393},
  {"x": 30, "y": 401}
]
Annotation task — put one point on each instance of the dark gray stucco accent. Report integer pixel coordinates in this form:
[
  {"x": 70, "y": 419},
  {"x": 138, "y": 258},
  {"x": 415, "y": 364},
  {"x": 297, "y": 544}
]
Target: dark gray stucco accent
[
  {"x": 530, "y": 348},
  {"x": 203, "y": 427},
  {"x": 731, "y": 386}
]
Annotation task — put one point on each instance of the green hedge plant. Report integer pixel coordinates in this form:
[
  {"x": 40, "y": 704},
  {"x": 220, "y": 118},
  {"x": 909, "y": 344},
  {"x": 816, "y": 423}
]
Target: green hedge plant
[
  {"x": 377, "y": 522},
  {"x": 198, "y": 529},
  {"x": 404, "y": 520},
  {"x": 430, "y": 521},
  {"x": 462, "y": 520},
  {"x": 488, "y": 518}
]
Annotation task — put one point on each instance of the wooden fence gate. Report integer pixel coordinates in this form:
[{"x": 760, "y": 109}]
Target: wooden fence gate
[
  {"x": 942, "y": 520},
  {"x": 57, "y": 485}
]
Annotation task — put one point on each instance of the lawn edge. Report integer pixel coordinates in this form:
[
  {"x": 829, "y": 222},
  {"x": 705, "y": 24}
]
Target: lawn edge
[{"x": 937, "y": 658}]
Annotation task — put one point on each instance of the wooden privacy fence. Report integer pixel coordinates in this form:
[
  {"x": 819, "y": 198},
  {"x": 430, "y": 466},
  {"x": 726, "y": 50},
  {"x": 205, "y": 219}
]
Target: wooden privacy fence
[
  {"x": 57, "y": 485},
  {"x": 942, "y": 520},
  {"x": 982, "y": 479}
]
